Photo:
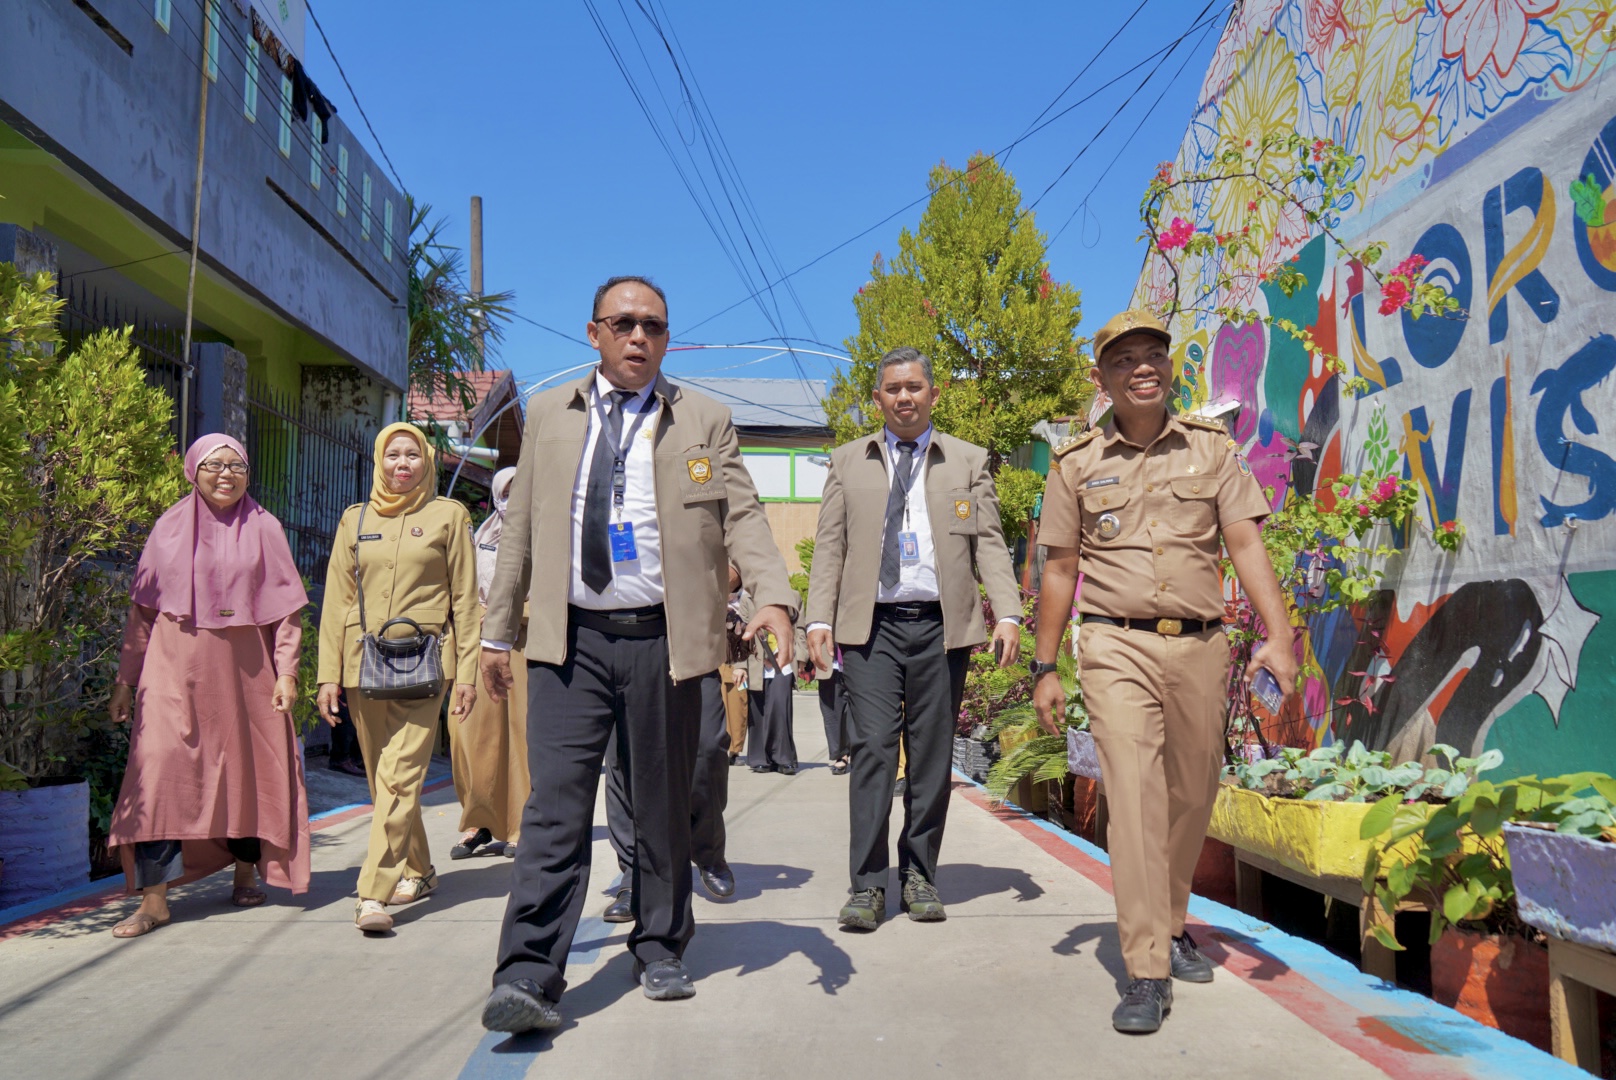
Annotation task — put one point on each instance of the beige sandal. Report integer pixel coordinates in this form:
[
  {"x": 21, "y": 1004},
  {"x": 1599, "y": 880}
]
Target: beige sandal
[
  {"x": 411, "y": 889},
  {"x": 139, "y": 925}
]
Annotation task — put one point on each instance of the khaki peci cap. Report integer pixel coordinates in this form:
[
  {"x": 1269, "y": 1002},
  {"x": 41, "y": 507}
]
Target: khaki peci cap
[{"x": 1135, "y": 320}]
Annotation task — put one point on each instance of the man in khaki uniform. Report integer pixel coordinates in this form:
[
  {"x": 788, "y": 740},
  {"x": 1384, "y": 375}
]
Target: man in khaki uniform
[
  {"x": 908, "y": 526},
  {"x": 1137, "y": 507},
  {"x": 630, "y": 503}
]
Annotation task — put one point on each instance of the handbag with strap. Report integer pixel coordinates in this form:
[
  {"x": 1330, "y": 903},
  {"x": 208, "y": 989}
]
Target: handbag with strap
[{"x": 399, "y": 667}]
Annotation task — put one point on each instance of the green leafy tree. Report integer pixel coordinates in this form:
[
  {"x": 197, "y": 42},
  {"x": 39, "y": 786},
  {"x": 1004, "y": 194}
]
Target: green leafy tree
[
  {"x": 971, "y": 288},
  {"x": 86, "y": 465},
  {"x": 451, "y": 330}
]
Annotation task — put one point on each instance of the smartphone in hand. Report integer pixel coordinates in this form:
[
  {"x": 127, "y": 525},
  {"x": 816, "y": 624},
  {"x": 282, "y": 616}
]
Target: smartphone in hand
[
  {"x": 762, "y": 640},
  {"x": 1266, "y": 689},
  {"x": 998, "y": 652}
]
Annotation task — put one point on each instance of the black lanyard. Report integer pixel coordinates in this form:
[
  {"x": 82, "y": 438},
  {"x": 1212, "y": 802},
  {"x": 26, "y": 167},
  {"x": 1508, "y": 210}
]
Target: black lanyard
[{"x": 619, "y": 453}]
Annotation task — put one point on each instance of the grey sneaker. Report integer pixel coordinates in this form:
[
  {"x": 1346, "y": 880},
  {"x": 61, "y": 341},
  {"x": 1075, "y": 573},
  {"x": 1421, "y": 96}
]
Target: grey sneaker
[
  {"x": 864, "y": 910},
  {"x": 920, "y": 899},
  {"x": 1188, "y": 963},
  {"x": 1143, "y": 1005}
]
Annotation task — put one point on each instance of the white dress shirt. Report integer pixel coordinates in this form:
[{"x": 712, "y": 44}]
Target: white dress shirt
[
  {"x": 637, "y": 583},
  {"x": 917, "y": 581}
]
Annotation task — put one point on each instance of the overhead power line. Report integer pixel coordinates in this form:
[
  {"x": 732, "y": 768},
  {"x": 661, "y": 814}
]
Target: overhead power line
[{"x": 352, "y": 94}]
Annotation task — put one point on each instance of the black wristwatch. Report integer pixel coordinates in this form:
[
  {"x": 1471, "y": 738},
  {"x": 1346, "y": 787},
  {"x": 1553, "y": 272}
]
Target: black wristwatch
[{"x": 1038, "y": 668}]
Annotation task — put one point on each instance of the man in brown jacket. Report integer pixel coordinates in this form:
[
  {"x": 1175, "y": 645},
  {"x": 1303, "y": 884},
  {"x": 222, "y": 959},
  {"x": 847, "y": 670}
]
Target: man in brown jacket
[
  {"x": 908, "y": 527},
  {"x": 629, "y": 505}
]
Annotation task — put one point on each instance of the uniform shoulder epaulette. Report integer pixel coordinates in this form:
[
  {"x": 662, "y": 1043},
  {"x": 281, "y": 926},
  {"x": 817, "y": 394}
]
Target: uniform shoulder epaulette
[
  {"x": 1203, "y": 424},
  {"x": 1075, "y": 441}
]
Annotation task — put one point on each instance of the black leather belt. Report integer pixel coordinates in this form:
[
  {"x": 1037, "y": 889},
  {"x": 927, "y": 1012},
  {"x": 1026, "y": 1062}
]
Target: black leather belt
[
  {"x": 1166, "y": 627},
  {"x": 919, "y": 609},
  {"x": 645, "y": 622}
]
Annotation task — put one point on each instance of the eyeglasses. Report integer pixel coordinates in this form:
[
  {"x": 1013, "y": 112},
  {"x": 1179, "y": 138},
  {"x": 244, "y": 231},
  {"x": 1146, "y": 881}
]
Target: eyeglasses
[
  {"x": 623, "y": 325},
  {"x": 214, "y": 468}
]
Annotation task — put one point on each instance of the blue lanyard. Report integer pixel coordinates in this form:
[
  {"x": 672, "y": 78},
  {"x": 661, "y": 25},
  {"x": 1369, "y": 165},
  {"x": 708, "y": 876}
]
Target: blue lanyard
[{"x": 619, "y": 453}]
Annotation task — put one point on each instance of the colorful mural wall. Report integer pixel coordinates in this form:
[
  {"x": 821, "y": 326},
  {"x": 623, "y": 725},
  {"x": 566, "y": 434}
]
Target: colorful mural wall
[{"x": 1485, "y": 137}]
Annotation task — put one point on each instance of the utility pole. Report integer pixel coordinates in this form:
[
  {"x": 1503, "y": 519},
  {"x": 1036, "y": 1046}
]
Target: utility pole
[
  {"x": 477, "y": 262},
  {"x": 186, "y": 367}
]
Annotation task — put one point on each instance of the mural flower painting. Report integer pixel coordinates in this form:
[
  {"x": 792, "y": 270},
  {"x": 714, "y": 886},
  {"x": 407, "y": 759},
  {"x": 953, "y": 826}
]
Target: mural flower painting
[
  {"x": 1476, "y": 54},
  {"x": 1479, "y": 32},
  {"x": 1262, "y": 102}
]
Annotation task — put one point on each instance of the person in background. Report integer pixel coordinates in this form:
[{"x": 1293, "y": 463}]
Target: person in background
[
  {"x": 1138, "y": 507},
  {"x": 489, "y": 750},
  {"x": 832, "y": 704},
  {"x": 732, "y": 672},
  {"x": 412, "y": 553},
  {"x": 908, "y": 527},
  {"x": 207, "y": 677},
  {"x": 770, "y": 745}
]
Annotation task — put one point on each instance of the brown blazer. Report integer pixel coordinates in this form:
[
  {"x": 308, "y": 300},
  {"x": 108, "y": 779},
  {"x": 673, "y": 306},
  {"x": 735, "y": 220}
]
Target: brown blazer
[
  {"x": 708, "y": 516},
  {"x": 966, "y": 535}
]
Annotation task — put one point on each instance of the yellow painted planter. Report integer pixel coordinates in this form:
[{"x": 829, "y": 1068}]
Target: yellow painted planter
[{"x": 1317, "y": 838}]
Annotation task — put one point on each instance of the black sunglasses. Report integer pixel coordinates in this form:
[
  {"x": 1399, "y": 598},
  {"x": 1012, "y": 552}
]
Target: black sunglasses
[{"x": 623, "y": 325}]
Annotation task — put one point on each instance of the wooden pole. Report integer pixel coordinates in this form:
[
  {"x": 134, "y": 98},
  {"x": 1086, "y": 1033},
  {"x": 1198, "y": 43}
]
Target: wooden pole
[
  {"x": 477, "y": 261},
  {"x": 196, "y": 237}
]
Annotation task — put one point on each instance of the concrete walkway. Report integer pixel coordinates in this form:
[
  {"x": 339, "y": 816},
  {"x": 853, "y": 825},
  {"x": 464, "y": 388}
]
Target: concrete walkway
[{"x": 1019, "y": 981}]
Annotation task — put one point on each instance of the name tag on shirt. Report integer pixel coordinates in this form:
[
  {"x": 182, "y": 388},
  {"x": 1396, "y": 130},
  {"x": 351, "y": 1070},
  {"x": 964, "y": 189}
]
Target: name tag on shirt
[
  {"x": 621, "y": 536},
  {"x": 370, "y": 536},
  {"x": 908, "y": 548},
  {"x": 489, "y": 547},
  {"x": 1107, "y": 482}
]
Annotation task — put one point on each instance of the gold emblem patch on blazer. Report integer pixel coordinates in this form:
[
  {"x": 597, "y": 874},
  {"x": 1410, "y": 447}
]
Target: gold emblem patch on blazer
[
  {"x": 962, "y": 509},
  {"x": 701, "y": 469}
]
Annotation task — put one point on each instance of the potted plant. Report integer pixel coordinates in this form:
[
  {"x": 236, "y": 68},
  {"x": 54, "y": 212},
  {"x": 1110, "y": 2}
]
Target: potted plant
[
  {"x": 1563, "y": 858},
  {"x": 86, "y": 464},
  {"x": 989, "y": 691}
]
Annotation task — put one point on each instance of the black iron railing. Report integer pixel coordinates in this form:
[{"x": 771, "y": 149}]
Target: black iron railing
[{"x": 307, "y": 469}]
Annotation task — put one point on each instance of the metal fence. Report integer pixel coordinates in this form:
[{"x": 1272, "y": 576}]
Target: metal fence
[
  {"x": 306, "y": 470},
  {"x": 157, "y": 346}
]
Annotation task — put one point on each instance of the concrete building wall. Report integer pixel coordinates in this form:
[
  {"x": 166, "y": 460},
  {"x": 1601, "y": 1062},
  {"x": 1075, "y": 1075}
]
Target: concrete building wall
[
  {"x": 1491, "y": 154},
  {"x": 125, "y": 122}
]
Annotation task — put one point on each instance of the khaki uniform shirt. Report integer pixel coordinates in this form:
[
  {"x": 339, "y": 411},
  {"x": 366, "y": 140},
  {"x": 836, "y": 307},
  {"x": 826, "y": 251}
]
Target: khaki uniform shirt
[
  {"x": 419, "y": 565},
  {"x": 1146, "y": 520},
  {"x": 708, "y": 516},
  {"x": 967, "y": 539}
]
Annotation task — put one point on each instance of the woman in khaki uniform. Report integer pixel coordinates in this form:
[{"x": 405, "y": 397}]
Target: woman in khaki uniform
[
  {"x": 489, "y": 750},
  {"x": 416, "y": 560}
]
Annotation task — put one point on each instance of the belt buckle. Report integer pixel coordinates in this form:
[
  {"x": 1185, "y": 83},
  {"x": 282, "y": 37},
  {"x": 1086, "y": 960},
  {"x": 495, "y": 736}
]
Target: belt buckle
[
  {"x": 1170, "y": 627},
  {"x": 627, "y": 618}
]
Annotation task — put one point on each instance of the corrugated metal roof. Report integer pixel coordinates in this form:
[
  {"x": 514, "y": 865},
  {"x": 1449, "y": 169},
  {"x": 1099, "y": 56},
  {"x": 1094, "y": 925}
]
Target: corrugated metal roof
[{"x": 766, "y": 403}]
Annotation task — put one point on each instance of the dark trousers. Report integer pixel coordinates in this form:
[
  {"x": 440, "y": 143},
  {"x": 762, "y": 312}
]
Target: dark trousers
[
  {"x": 833, "y": 708},
  {"x": 609, "y": 684},
  {"x": 770, "y": 742},
  {"x": 900, "y": 683},
  {"x": 158, "y": 862},
  {"x": 709, "y": 789}
]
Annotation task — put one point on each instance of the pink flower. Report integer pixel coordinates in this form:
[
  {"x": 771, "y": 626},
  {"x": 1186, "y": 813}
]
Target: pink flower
[
  {"x": 1363, "y": 511},
  {"x": 1450, "y": 526},
  {"x": 1176, "y": 235},
  {"x": 1410, "y": 267},
  {"x": 1394, "y": 294},
  {"x": 1387, "y": 489}
]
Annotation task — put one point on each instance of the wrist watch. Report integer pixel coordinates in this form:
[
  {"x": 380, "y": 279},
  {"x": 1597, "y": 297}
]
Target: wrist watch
[{"x": 1039, "y": 669}]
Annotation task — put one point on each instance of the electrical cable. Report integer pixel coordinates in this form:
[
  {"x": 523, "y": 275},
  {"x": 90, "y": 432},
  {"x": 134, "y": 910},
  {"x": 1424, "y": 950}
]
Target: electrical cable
[
  {"x": 551, "y": 329},
  {"x": 995, "y": 156},
  {"x": 131, "y": 262},
  {"x": 333, "y": 54}
]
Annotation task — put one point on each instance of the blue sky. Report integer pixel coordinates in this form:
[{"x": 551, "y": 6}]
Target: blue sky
[{"x": 832, "y": 113}]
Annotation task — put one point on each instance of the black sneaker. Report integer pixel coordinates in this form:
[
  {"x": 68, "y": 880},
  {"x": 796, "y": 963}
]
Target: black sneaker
[
  {"x": 1143, "y": 1005},
  {"x": 520, "y": 1006},
  {"x": 664, "y": 980},
  {"x": 864, "y": 910},
  {"x": 920, "y": 899},
  {"x": 1188, "y": 963}
]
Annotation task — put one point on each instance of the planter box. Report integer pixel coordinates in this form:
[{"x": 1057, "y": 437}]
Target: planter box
[
  {"x": 1565, "y": 885},
  {"x": 1498, "y": 980},
  {"x": 44, "y": 841},
  {"x": 974, "y": 757},
  {"x": 1319, "y": 839},
  {"x": 1082, "y": 757}
]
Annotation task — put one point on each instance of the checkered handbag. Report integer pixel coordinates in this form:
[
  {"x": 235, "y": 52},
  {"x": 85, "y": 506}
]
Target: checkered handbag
[{"x": 400, "y": 667}]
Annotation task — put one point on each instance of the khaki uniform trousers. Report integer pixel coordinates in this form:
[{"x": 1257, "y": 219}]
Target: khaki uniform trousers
[
  {"x": 1156, "y": 707},
  {"x": 734, "y": 709},
  {"x": 489, "y": 755},
  {"x": 396, "y": 738}
]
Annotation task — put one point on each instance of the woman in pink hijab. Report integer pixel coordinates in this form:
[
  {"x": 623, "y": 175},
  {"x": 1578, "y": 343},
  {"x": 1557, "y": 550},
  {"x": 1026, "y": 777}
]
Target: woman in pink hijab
[{"x": 208, "y": 674}]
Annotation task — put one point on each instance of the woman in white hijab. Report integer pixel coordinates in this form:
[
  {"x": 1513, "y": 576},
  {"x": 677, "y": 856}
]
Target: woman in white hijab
[{"x": 489, "y": 750}]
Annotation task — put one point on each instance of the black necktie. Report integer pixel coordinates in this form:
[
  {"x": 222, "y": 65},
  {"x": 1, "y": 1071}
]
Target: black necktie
[
  {"x": 596, "y": 557},
  {"x": 903, "y": 475}
]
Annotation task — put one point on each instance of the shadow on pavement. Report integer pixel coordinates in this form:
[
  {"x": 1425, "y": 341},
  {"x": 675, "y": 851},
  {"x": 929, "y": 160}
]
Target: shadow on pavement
[
  {"x": 752, "y": 880},
  {"x": 1107, "y": 948},
  {"x": 754, "y": 946},
  {"x": 960, "y": 883}
]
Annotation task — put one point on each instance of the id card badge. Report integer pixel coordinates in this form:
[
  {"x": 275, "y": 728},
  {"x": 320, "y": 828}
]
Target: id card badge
[
  {"x": 908, "y": 548},
  {"x": 621, "y": 535}
]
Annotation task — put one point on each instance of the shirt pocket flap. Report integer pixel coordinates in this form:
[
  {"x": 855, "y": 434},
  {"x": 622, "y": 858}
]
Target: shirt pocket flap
[
  {"x": 1195, "y": 487},
  {"x": 961, "y": 507},
  {"x": 430, "y": 616},
  {"x": 1105, "y": 500},
  {"x": 700, "y": 481}
]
